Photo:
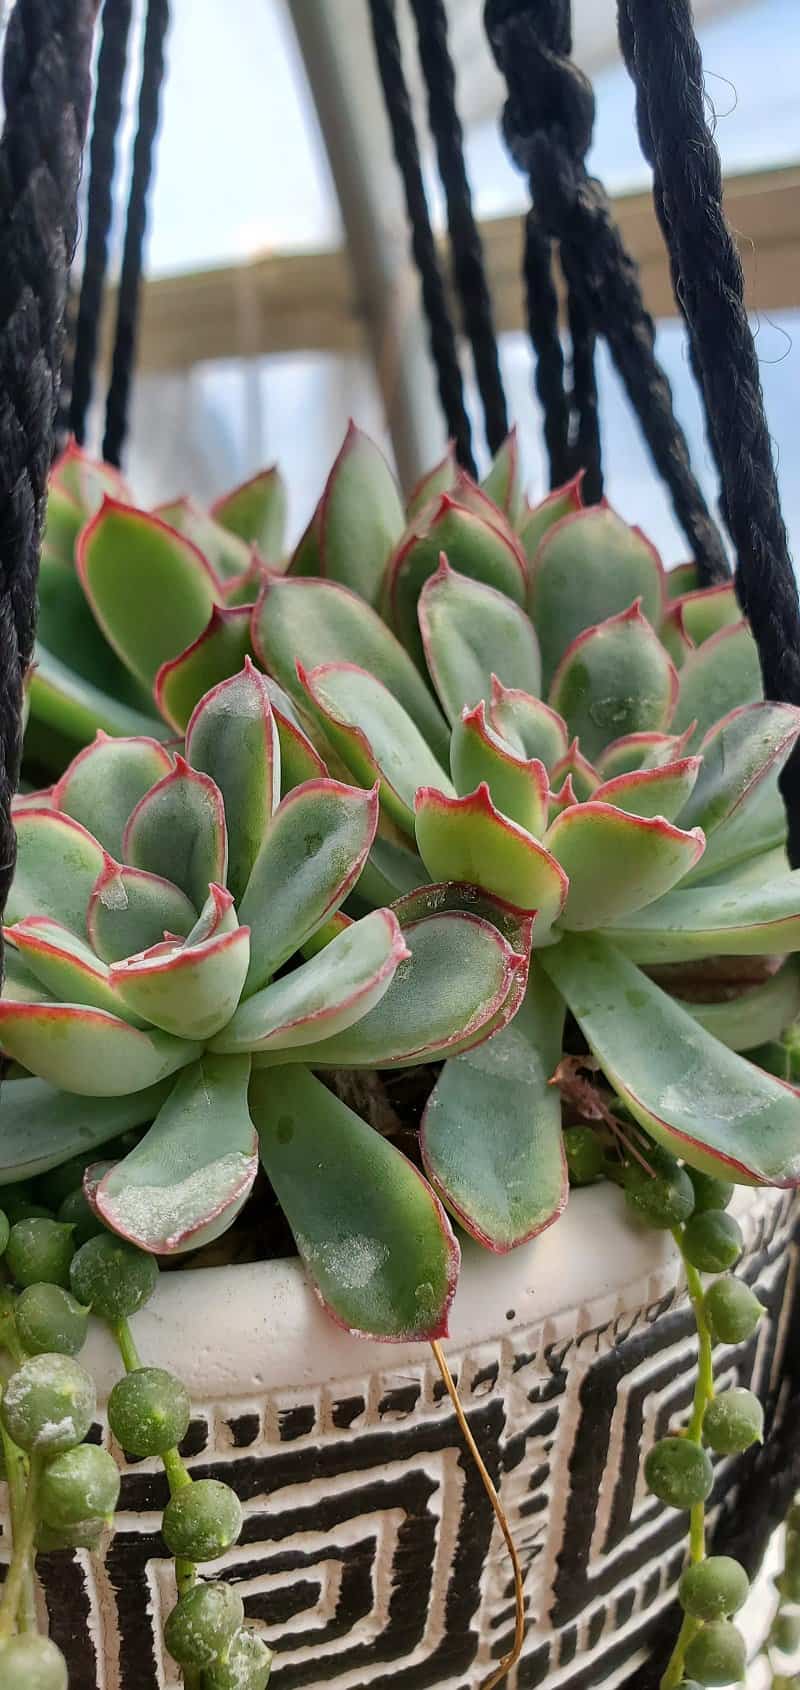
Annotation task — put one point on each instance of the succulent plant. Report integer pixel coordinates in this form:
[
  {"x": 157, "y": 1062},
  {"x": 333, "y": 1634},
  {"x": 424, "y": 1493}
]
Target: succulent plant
[
  {"x": 154, "y": 934},
  {"x": 557, "y": 731}
]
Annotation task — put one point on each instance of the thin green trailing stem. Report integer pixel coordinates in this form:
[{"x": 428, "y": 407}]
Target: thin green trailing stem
[
  {"x": 16, "y": 1465},
  {"x": 703, "y": 1395},
  {"x": 23, "y": 1551}
]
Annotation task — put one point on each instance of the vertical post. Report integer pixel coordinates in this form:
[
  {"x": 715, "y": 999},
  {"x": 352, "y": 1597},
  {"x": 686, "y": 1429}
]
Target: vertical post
[{"x": 337, "y": 52}]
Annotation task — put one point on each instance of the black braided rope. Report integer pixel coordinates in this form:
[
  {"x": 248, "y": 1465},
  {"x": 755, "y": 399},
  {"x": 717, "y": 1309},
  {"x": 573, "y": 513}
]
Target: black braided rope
[
  {"x": 548, "y": 122},
  {"x": 585, "y": 432},
  {"x": 46, "y": 94},
  {"x": 111, "y": 63},
  {"x": 404, "y": 140},
  {"x": 469, "y": 273},
  {"x": 541, "y": 305},
  {"x": 667, "y": 64},
  {"x": 132, "y": 253}
]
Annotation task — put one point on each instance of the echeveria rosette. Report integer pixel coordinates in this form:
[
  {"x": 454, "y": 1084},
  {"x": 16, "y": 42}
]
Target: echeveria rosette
[
  {"x": 194, "y": 563},
  {"x": 155, "y": 931}
]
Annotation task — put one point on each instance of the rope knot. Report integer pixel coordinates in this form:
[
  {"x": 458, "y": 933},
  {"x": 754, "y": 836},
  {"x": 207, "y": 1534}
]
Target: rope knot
[{"x": 547, "y": 93}]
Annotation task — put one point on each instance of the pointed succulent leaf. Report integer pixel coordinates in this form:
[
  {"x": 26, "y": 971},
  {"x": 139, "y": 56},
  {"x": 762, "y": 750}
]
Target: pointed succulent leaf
[
  {"x": 184, "y": 1183},
  {"x": 726, "y": 920},
  {"x": 563, "y": 501},
  {"x": 755, "y": 826},
  {"x": 390, "y": 870},
  {"x": 472, "y": 632},
  {"x": 430, "y": 487},
  {"x": 150, "y": 589},
  {"x": 682, "y": 578},
  {"x": 219, "y": 651},
  {"x": 324, "y": 995},
  {"x": 575, "y": 768},
  {"x": 310, "y": 859},
  {"x": 528, "y": 725},
  {"x": 373, "y": 1236},
  {"x": 503, "y": 481},
  {"x": 491, "y": 1132},
  {"x": 313, "y": 622},
  {"x": 46, "y": 1127},
  {"x": 640, "y": 751},
  {"x": 563, "y": 799},
  {"x": 106, "y": 781},
  {"x": 738, "y": 753},
  {"x": 468, "y": 839},
  {"x": 19, "y": 980},
  {"x": 85, "y": 479},
  {"x": 514, "y": 925},
  {"x": 88, "y": 1050},
  {"x": 440, "y": 1000},
  {"x": 474, "y": 546},
  {"x": 720, "y": 1113},
  {"x": 300, "y": 760},
  {"x": 373, "y": 734},
  {"x": 704, "y": 612},
  {"x": 721, "y": 674},
  {"x": 359, "y": 519},
  {"x": 233, "y": 737},
  {"x": 615, "y": 679},
  {"x": 590, "y": 566},
  {"x": 518, "y": 785},
  {"x": 57, "y": 865},
  {"x": 67, "y": 704},
  {"x": 178, "y": 831},
  {"x": 226, "y": 554},
  {"x": 673, "y": 634},
  {"x": 64, "y": 520},
  {"x": 617, "y": 862},
  {"x": 217, "y": 916},
  {"x": 756, "y": 1016},
  {"x": 654, "y": 792},
  {"x": 256, "y": 513},
  {"x": 468, "y": 496},
  {"x": 189, "y": 990},
  {"x": 64, "y": 964},
  {"x": 129, "y": 910}
]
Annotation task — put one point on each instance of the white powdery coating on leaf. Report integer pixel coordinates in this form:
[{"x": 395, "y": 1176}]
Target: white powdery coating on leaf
[
  {"x": 352, "y": 1262},
  {"x": 113, "y": 895},
  {"x": 162, "y": 1215}
]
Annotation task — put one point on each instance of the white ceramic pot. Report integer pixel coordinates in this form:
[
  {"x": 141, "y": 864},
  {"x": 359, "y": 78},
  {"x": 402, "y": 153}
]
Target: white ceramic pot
[{"x": 369, "y": 1555}]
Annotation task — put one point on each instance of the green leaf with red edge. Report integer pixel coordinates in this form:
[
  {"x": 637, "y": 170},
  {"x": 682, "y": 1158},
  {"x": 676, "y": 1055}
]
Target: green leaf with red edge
[
  {"x": 130, "y": 910},
  {"x": 682, "y": 578},
  {"x": 64, "y": 519},
  {"x": 189, "y": 990},
  {"x": 738, "y": 754},
  {"x": 475, "y": 547},
  {"x": 89, "y": 1050},
  {"x": 69, "y": 710},
  {"x": 654, "y": 792},
  {"x": 185, "y": 1182},
  {"x": 756, "y": 826},
  {"x": 87, "y": 480},
  {"x": 373, "y": 734},
  {"x": 57, "y": 865},
  {"x": 518, "y": 785},
  {"x": 300, "y": 760},
  {"x": 391, "y": 870},
  {"x": 233, "y": 738},
  {"x": 641, "y": 751},
  {"x": 256, "y": 512},
  {"x": 446, "y": 997},
  {"x": 312, "y": 622},
  {"x": 588, "y": 567},
  {"x": 227, "y": 555},
  {"x": 695, "y": 616},
  {"x": 528, "y": 725},
  {"x": 575, "y": 768},
  {"x": 470, "y": 633},
  {"x": 219, "y": 651},
  {"x": 106, "y": 781},
  {"x": 468, "y": 839},
  {"x": 721, "y": 674},
  {"x": 732, "y": 919},
  {"x": 720, "y": 1113},
  {"x": 311, "y": 858},
  {"x": 65, "y": 965},
  {"x": 178, "y": 831},
  {"x": 563, "y": 501},
  {"x": 43, "y": 1127},
  {"x": 19, "y": 982},
  {"x": 613, "y": 680},
  {"x": 491, "y": 1133},
  {"x": 358, "y": 520},
  {"x": 325, "y": 994},
  {"x": 217, "y": 916},
  {"x": 617, "y": 862},
  {"x": 241, "y": 591},
  {"x": 150, "y": 589},
  {"x": 438, "y": 480},
  {"x": 755, "y": 1016},
  {"x": 503, "y": 480},
  {"x": 374, "y": 1238}
]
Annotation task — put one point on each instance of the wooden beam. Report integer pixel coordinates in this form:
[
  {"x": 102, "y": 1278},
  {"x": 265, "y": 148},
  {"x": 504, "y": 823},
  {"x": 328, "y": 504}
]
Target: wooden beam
[{"x": 306, "y": 302}]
